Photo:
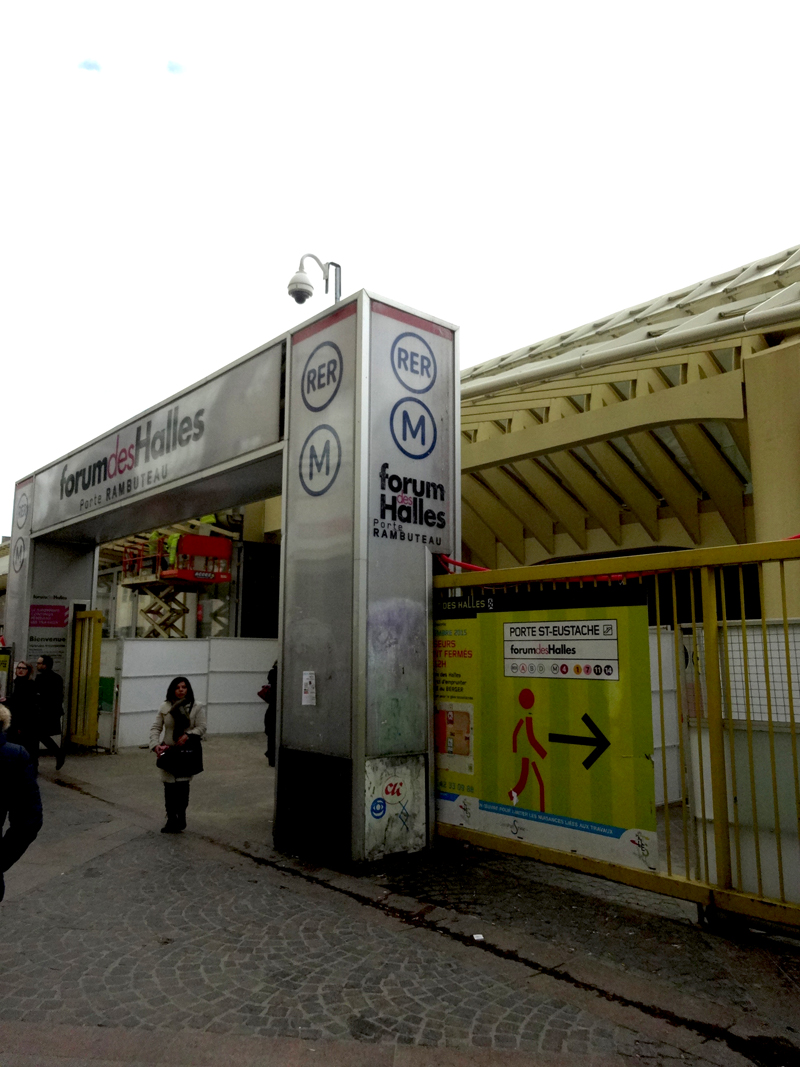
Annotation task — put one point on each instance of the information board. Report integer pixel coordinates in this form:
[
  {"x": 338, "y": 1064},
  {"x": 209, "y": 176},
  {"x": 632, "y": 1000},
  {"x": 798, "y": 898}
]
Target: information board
[{"x": 544, "y": 726}]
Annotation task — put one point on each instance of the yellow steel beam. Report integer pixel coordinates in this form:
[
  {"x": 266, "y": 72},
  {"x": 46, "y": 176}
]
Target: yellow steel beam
[
  {"x": 727, "y": 555},
  {"x": 740, "y": 433},
  {"x": 534, "y": 395},
  {"x": 711, "y": 398},
  {"x": 669, "y": 477},
  {"x": 592, "y": 493},
  {"x": 642, "y": 502},
  {"x": 527, "y": 509},
  {"x": 543, "y": 485},
  {"x": 505, "y": 526},
  {"x": 478, "y": 536},
  {"x": 717, "y": 476}
]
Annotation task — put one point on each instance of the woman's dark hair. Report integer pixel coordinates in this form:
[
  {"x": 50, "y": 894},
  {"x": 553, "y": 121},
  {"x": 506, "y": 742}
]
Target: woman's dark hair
[
  {"x": 179, "y": 710},
  {"x": 173, "y": 685}
]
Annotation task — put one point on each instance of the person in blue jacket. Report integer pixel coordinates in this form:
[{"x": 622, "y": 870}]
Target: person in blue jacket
[{"x": 20, "y": 802}]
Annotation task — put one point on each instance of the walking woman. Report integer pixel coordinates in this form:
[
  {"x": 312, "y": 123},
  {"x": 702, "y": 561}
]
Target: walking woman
[
  {"x": 182, "y": 722},
  {"x": 21, "y": 702}
]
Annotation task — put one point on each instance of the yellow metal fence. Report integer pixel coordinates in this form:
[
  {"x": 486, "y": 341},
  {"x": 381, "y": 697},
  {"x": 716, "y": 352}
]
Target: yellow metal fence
[
  {"x": 725, "y": 679},
  {"x": 85, "y": 678}
]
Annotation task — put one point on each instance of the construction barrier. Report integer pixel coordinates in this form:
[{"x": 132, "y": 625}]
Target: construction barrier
[{"x": 634, "y": 718}]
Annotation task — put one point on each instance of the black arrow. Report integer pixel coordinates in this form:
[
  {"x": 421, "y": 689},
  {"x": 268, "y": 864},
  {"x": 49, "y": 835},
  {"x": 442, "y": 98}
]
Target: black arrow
[{"x": 598, "y": 740}]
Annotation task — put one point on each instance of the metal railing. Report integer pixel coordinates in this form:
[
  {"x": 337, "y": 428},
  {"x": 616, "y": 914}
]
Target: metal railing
[{"x": 724, "y": 634}]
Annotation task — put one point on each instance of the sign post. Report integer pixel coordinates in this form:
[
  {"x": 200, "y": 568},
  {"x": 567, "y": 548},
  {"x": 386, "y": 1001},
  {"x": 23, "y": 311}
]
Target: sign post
[
  {"x": 544, "y": 728},
  {"x": 370, "y": 495}
]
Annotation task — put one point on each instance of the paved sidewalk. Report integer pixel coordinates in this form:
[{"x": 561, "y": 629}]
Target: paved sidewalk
[{"x": 122, "y": 945}]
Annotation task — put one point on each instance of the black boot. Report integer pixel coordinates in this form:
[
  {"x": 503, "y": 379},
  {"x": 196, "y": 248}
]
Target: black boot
[
  {"x": 171, "y": 804},
  {"x": 181, "y": 804}
]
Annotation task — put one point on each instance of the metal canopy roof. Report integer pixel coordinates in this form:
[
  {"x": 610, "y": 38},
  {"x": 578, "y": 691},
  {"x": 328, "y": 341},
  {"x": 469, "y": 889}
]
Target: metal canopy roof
[
  {"x": 746, "y": 288},
  {"x": 625, "y": 431}
]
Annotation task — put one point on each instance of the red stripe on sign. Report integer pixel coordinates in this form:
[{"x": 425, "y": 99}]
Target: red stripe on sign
[
  {"x": 411, "y": 320},
  {"x": 323, "y": 324}
]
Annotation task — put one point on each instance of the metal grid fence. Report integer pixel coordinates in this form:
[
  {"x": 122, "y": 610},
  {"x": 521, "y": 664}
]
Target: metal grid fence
[{"x": 725, "y": 669}]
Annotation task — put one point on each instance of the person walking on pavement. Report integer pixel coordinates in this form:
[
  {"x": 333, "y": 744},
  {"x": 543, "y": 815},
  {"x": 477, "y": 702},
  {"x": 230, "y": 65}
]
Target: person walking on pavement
[
  {"x": 49, "y": 692},
  {"x": 20, "y": 802},
  {"x": 21, "y": 702},
  {"x": 179, "y": 719}
]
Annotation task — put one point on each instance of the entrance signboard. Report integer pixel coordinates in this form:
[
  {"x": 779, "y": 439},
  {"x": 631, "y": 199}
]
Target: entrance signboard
[
  {"x": 211, "y": 423},
  {"x": 544, "y": 725}
]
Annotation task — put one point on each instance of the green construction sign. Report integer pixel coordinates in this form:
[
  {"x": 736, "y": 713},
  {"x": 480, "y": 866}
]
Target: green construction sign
[{"x": 544, "y": 726}]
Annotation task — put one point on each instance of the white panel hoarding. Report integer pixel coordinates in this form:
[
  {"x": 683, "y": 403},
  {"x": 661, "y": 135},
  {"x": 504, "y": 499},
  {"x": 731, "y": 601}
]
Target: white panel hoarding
[{"x": 228, "y": 416}]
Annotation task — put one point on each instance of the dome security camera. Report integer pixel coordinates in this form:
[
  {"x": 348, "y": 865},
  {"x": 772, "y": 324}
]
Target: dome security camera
[{"x": 300, "y": 287}]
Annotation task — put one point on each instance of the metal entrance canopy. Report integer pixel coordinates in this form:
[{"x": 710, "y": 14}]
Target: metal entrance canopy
[{"x": 351, "y": 417}]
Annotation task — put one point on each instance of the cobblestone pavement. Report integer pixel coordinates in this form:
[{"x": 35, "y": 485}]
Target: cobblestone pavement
[
  {"x": 643, "y": 934},
  {"x": 110, "y": 927}
]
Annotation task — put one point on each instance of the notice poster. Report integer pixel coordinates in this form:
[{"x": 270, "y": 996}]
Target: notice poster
[
  {"x": 543, "y": 725},
  {"x": 6, "y": 672},
  {"x": 48, "y": 624}
]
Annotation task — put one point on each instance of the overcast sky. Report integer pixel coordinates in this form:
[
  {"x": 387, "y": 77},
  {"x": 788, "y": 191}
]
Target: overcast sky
[{"x": 517, "y": 168}]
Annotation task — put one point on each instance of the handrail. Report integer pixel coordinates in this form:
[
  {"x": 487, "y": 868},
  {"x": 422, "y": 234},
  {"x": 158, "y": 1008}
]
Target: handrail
[{"x": 633, "y": 566}]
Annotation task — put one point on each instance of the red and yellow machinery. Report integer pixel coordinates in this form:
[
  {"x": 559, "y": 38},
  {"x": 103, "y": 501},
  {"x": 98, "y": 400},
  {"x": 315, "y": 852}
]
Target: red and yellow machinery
[{"x": 165, "y": 567}]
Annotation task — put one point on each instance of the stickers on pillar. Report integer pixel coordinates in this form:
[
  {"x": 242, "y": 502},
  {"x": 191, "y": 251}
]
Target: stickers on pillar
[
  {"x": 322, "y": 376},
  {"x": 320, "y": 460},
  {"x": 309, "y": 687},
  {"x": 413, "y": 362},
  {"x": 397, "y": 791},
  {"x": 413, "y": 428}
]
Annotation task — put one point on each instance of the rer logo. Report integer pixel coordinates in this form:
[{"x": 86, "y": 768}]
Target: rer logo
[
  {"x": 22, "y": 510},
  {"x": 413, "y": 362},
  {"x": 320, "y": 460},
  {"x": 413, "y": 428},
  {"x": 322, "y": 376}
]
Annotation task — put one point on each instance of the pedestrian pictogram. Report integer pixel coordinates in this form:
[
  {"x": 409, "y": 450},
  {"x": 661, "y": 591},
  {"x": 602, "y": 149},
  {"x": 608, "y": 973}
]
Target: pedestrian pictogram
[{"x": 527, "y": 699}]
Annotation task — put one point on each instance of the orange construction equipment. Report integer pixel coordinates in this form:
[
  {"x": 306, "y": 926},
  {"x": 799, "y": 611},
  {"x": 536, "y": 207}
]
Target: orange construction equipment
[
  {"x": 198, "y": 560},
  {"x": 201, "y": 559}
]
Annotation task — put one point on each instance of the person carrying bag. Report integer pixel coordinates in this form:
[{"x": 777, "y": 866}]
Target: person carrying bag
[{"x": 182, "y": 722}]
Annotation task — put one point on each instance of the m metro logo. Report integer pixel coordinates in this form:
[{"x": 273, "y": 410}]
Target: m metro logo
[
  {"x": 413, "y": 428},
  {"x": 320, "y": 460}
]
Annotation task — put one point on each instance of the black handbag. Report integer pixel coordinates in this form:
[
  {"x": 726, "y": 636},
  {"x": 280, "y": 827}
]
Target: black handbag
[{"x": 184, "y": 760}]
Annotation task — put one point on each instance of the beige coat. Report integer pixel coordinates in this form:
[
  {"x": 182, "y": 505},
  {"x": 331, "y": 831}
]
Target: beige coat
[{"x": 165, "y": 724}]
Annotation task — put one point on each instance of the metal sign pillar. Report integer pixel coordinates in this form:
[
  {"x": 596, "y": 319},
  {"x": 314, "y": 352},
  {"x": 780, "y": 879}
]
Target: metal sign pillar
[{"x": 370, "y": 494}]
